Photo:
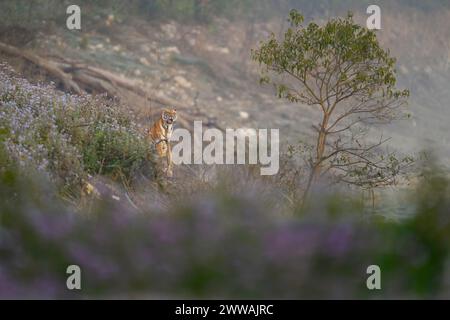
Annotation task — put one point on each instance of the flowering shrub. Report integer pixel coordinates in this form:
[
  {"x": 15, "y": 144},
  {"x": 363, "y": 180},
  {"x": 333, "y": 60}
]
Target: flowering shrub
[
  {"x": 218, "y": 245},
  {"x": 67, "y": 136}
]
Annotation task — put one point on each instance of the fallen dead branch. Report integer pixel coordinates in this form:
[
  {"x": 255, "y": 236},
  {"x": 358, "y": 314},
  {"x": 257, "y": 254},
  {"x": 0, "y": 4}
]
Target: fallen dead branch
[
  {"x": 79, "y": 77},
  {"x": 116, "y": 80},
  {"x": 50, "y": 67}
]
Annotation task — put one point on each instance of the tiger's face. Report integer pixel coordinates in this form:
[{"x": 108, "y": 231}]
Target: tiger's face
[{"x": 169, "y": 116}]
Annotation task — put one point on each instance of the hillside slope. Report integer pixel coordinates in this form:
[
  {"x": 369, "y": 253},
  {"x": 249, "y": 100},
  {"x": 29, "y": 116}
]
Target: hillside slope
[{"x": 207, "y": 70}]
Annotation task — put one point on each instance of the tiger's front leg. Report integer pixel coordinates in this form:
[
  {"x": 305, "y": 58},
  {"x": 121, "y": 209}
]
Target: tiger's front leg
[{"x": 169, "y": 160}]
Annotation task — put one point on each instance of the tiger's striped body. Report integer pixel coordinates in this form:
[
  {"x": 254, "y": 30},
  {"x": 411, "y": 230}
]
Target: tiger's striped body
[{"x": 160, "y": 134}]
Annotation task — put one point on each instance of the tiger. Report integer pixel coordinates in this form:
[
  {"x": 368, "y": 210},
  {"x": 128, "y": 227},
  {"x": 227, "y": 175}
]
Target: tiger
[{"x": 160, "y": 134}]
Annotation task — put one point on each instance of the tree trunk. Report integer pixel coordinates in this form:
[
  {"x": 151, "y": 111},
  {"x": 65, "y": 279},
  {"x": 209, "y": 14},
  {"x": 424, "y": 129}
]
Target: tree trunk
[{"x": 320, "y": 150}]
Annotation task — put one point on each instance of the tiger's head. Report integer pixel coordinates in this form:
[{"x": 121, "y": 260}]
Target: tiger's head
[{"x": 169, "y": 116}]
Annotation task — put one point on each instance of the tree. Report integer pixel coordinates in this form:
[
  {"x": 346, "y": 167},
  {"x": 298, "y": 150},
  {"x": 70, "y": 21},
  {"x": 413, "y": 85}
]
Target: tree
[{"x": 340, "y": 69}]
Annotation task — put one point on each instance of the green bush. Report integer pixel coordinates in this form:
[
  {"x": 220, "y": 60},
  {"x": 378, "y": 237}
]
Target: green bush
[
  {"x": 220, "y": 243},
  {"x": 65, "y": 136}
]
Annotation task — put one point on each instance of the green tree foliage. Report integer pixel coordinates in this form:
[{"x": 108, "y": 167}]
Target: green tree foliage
[{"x": 340, "y": 69}]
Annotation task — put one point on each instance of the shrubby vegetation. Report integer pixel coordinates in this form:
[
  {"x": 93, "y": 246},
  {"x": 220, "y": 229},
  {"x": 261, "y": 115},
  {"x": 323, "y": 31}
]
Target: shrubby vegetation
[
  {"x": 65, "y": 136},
  {"x": 219, "y": 243}
]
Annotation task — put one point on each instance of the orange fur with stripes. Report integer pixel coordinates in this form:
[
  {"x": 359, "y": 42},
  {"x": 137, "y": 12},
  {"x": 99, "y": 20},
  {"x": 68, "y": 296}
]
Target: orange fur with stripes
[{"x": 160, "y": 134}]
